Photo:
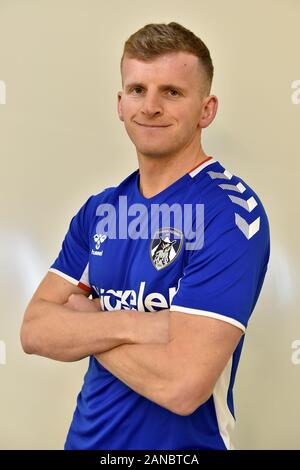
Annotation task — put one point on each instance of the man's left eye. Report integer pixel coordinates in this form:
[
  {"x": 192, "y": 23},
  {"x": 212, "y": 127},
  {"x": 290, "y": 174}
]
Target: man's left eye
[{"x": 174, "y": 91}]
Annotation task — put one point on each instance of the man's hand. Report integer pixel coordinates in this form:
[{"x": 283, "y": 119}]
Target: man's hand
[
  {"x": 152, "y": 327},
  {"x": 80, "y": 303},
  {"x": 147, "y": 327}
]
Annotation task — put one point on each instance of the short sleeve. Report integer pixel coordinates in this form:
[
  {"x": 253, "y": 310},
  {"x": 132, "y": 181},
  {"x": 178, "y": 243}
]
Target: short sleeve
[
  {"x": 224, "y": 278},
  {"x": 72, "y": 262}
]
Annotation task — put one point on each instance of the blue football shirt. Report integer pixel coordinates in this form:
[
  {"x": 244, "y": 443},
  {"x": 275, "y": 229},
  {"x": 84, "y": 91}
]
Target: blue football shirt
[{"x": 220, "y": 276}]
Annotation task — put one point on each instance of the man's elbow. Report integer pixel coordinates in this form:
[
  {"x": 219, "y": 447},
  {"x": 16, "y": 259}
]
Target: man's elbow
[
  {"x": 186, "y": 401},
  {"x": 35, "y": 340},
  {"x": 28, "y": 341}
]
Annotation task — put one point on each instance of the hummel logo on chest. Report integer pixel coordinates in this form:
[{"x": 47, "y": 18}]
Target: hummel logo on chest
[{"x": 98, "y": 239}]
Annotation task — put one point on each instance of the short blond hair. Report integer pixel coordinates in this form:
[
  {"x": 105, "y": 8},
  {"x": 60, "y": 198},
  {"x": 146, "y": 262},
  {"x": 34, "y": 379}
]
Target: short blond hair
[{"x": 156, "y": 39}]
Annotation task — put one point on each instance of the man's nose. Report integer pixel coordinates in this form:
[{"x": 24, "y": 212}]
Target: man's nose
[{"x": 151, "y": 104}]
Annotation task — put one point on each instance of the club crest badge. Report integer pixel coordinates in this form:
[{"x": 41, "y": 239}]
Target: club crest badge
[{"x": 165, "y": 247}]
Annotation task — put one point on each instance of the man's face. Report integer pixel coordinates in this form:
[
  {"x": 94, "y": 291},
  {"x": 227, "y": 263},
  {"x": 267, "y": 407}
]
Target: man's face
[{"x": 161, "y": 102}]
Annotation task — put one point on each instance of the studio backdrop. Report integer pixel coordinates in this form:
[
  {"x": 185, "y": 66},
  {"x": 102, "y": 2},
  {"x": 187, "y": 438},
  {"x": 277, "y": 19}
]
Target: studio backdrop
[{"x": 61, "y": 140}]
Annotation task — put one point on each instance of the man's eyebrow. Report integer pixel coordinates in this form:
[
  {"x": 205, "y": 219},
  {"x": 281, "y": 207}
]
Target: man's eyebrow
[{"x": 161, "y": 87}]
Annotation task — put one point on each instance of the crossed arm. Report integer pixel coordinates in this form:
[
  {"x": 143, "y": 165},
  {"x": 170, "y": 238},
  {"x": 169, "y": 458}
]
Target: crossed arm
[
  {"x": 172, "y": 358},
  {"x": 178, "y": 375}
]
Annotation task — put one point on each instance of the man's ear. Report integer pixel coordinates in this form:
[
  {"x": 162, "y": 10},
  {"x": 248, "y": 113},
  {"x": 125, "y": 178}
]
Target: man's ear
[
  {"x": 209, "y": 111},
  {"x": 119, "y": 106}
]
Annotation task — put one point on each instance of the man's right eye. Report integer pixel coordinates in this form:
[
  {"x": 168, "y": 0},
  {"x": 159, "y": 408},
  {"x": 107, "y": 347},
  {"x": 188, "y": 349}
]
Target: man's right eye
[{"x": 136, "y": 88}]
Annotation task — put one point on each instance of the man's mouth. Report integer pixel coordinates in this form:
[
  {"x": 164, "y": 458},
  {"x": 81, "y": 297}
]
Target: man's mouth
[{"x": 155, "y": 126}]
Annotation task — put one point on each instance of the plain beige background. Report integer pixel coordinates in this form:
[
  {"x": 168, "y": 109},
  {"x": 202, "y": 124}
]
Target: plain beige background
[{"x": 61, "y": 141}]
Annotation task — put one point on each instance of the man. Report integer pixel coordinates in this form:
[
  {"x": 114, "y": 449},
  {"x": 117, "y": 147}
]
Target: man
[{"x": 175, "y": 298}]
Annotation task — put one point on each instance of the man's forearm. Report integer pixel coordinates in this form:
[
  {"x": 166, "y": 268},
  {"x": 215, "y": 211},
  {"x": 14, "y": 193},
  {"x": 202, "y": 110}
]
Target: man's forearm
[
  {"x": 148, "y": 369},
  {"x": 57, "y": 332}
]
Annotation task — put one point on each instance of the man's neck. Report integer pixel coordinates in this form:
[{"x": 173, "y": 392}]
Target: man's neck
[{"x": 159, "y": 172}]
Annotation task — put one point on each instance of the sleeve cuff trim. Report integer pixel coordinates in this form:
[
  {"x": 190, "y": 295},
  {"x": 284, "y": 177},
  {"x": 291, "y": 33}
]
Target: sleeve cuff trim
[
  {"x": 71, "y": 279},
  {"x": 205, "y": 313}
]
